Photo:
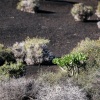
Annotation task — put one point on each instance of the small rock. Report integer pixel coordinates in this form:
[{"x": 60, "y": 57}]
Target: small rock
[{"x": 98, "y": 24}]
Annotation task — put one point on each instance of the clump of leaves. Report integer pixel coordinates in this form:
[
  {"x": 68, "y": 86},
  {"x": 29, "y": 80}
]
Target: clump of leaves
[
  {"x": 73, "y": 62},
  {"x": 12, "y": 69}
]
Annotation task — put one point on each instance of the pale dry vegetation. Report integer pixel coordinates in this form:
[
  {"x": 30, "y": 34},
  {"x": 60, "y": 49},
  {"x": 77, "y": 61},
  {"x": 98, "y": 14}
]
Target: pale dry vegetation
[{"x": 37, "y": 89}]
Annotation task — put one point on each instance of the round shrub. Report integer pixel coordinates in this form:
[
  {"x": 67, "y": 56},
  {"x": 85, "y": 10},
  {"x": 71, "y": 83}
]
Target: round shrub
[
  {"x": 80, "y": 12},
  {"x": 30, "y": 6},
  {"x": 32, "y": 51}
]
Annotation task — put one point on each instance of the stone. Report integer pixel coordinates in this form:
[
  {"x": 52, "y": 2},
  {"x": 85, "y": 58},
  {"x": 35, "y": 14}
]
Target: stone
[{"x": 98, "y": 24}]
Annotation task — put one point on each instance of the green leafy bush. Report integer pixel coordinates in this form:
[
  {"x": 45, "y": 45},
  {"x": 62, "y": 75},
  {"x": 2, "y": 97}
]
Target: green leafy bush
[
  {"x": 72, "y": 62},
  {"x": 12, "y": 69},
  {"x": 80, "y": 12}
]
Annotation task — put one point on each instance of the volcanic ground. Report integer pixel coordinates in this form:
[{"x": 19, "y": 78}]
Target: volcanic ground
[{"x": 53, "y": 21}]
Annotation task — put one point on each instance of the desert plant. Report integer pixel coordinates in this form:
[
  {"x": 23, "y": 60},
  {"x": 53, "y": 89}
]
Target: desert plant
[
  {"x": 12, "y": 69},
  {"x": 37, "y": 89},
  {"x": 30, "y": 6},
  {"x": 72, "y": 62},
  {"x": 80, "y": 12},
  {"x": 90, "y": 48},
  {"x": 8, "y": 65},
  {"x": 98, "y": 10},
  {"x": 89, "y": 79},
  {"x": 5, "y": 55},
  {"x": 32, "y": 51},
  {"x": 59, "y": 91}
]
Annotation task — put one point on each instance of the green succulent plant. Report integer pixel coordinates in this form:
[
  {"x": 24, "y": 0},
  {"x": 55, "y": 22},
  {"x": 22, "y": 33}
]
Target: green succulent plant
[{"x": 72, "y": 62}]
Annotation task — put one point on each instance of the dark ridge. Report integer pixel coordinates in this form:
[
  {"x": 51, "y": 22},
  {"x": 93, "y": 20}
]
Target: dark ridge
[{"x": 63, "y": 1}]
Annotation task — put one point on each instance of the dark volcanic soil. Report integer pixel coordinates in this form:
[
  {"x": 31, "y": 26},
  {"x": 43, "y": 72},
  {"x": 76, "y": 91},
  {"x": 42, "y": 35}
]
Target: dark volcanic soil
[{"x": 54, "y": 22}]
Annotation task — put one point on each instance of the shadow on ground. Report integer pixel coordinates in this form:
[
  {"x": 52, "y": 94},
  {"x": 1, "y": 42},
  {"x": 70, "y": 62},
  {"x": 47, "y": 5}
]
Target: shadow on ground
[
  {"x": 63, "y": 1},
  {"x": 92, "y": 21},
  {"x": 45, "y": 12}
]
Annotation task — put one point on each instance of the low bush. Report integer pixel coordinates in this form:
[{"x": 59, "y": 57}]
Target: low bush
[
  {"x": 32, "y": 51},
  {"x": 12, "y": 69},
  {"x": 8, "y": 65},
  {"x": 5, "y": 55},
  {"x": 80, "y": 12},
  {"x": 30, "y": 6}
]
